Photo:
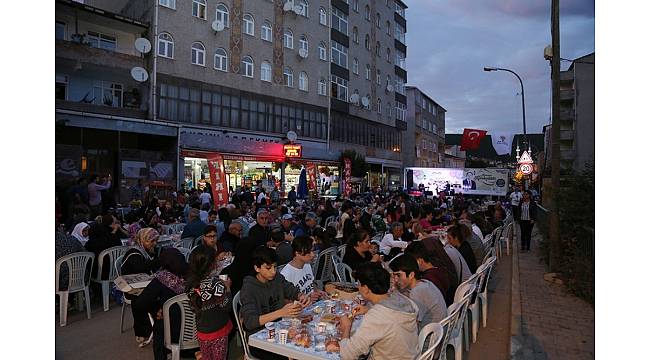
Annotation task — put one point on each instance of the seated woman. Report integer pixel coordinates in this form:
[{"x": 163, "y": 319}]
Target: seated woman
[
  {"x": 80, "y": 232},
  {"x": 103, "y": 235},
  {"x": 357, "y": 251},
  {"x": 141, "y": 259},
  {"x": 455, "y": 237},
  {"x": 167, "y": 283}
]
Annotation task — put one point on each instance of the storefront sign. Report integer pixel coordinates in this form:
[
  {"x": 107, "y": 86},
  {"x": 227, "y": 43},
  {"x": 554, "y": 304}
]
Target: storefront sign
[
  {"x": 231, "y": 143},
  {"x": 218, "y": 179},
  {"x": 311, "y": 174},
  {"x": 347, "y": 176},
  {"x": 292, "y": 151}
]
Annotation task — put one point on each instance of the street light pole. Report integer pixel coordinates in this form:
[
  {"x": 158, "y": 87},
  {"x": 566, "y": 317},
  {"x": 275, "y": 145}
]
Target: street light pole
[{"x": 521, "y": 83}]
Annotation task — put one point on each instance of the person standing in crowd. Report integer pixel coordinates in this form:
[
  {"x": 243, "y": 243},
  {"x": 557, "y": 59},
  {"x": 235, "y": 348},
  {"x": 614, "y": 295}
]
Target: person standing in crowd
[
  {"x": 261, "y": 198},
  {"x": 275, "y": 195},
  {"x": 527, "y": 216},
  {"x": 167, "y": 283},
  {"x": 205, "y": 197},
  {"x": 292, "y": 196},
  {"x": 211, "y": 299},
  {"x": 515, "y": 199},
  {"x": 389, "y": 329},
  {"x": 95, "y": 195},
  {"x": 429, "y": 299}
]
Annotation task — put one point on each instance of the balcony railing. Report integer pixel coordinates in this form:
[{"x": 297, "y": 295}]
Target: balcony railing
[
  {"x": 87, "y": 54},
  {"x": 100, "y": 109}
]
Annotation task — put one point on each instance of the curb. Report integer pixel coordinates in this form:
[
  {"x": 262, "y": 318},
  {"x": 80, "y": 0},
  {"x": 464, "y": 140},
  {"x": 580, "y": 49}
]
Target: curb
[{"x": 517, "y": 341}]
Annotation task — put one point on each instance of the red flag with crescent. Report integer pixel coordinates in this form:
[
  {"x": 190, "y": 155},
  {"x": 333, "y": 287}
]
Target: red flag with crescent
[{"x": 471, "y": 139}]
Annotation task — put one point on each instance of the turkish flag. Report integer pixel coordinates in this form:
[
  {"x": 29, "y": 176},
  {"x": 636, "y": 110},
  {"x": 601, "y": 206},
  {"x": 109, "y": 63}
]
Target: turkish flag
[{"x": 471, "y": 139}]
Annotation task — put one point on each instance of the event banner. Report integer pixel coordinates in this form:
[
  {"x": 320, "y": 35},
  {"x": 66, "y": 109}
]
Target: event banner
[
  {"x": 347, "y": 177},
  {"x": 311, "y": 176},
  {"x": 218, "y": 179},
  {"x": 470, "y": 181}
]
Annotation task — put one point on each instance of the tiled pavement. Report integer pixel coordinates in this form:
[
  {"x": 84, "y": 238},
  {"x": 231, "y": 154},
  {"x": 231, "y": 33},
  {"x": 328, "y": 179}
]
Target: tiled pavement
[{"x": 548, "y": 323}]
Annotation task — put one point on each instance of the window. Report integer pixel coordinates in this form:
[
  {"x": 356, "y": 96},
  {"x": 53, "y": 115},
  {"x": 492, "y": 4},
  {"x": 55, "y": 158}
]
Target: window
[
  {"x": 101, "y": 41},
  {"x": 267, "y": 31},
  {"x": 60, "y": 30},
  {"x": 322, "y": 87},
  {"x": 355, "y": 34},
  {"x": 400, "y": 59},
  {"x": 304, "y": 8},
  {"x": 378, "y": 21},
  {"x": 388, "y": 58},
  {"x": 339, "y": 21},
  {"x": 248, "y": 25},
  {"x": 378, "y": 49},
  {"x": 107, "y": 93},
  {"x": 265, "y": 71},
  {"x": 288, "y": 77},
  {"x": 168, "y": 3},
  {"x": 322, "y": 51},
  {"x": 400, "y": 10},
  {"x": 247, "y": 66},
  {"x": 303, "y": 81},
  {"x": 387, "y": 27},
  {"x": 378, "y": 77},
  {"x": 61, "y": 92},
  {"x": 400, "y": 85},
  {"x": 288, "y": 39},
  {"x": 367, "y": 72},
  {"x": 198, "y": 9},
  {"x": 388, "y": 81},
  {"x": 339, "y": 54},
  {"x": 303, "y": 43},
  {"x": 400, "y": 111},
  {"x": 367, "y": 13},
  {"x": 367, "y": 42},
  {"x": 378, "y": 106},
  {"x": 322, "y": 16},
  {"x": 400, "y": 32},
  {"x": 221, "y": 60},
  {"x": 355, "y": 5},
  {"x": 223, "y": 15},
  {"x": 165, "y": 45},
  {"x": 198, "y": 54},
  {"x": 389, "y": 110},
  {"x": 339, "y": 88},
  {"x": 355, "y": 66}
]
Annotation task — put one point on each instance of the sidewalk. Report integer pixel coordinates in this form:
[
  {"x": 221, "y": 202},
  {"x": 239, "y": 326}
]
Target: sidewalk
[{"x": 547, "y": 323}]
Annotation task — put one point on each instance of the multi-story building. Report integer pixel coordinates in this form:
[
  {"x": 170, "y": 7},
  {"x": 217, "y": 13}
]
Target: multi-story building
[
  {"x": 234, "y": 77},
  {"x": 577, "y": 119},
  {"x": 454, "y": 157},
  {"x": 425, "y": 131}
]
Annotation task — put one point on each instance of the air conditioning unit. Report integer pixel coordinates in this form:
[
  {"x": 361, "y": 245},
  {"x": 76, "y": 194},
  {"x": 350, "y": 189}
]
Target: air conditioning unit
[
  {"x": 302, "y": 53},
  {"x": 218, "y": 26}
]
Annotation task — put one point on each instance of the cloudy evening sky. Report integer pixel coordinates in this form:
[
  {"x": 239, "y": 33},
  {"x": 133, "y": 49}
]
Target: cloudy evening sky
[{"x": 450, "y": 41}]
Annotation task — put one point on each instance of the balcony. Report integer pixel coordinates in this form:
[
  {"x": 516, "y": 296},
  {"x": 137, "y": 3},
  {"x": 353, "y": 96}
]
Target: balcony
[
  {"x": 85, "y": 54},
  {"x": 567, "y": 94},
  {"x": 567, "y": 115},
  {"x": 568, "y": 154},
  {"x": 566, "y": 135},
  {"x": 100, "y": 109}
]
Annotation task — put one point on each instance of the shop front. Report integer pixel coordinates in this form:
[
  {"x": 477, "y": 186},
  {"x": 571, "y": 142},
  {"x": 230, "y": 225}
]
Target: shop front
[{"x": 384, "y": 172}]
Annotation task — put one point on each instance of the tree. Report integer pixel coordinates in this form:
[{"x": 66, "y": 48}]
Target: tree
[{"x": 359, "y": 164}]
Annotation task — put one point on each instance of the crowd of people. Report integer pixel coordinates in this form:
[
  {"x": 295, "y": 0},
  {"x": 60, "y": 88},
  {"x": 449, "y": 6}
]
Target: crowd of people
[{"x": 266, "y": 231}]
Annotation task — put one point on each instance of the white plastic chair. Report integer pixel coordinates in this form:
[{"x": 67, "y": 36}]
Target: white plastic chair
[
  {"x": 344, "y": 273},
  {"x": 506, "y": 234},
  {"x": 186, "y": 243},
  {"x": 78, "y": 265},
  {"x": 482, "y": 272},
  {"x": 428, "y": 340},
  {"x": 177, "y": 228},
  {"x": 463, "y": 295},
  {"x": 125, "y": 301},
  {"x": 482, "y": 293},
  {"x": 236, "y": 307},
  {"x": 325, "y": 265},
  {"x": 329, "y": 221},
  {"x": 112, "y": 253},
  {"x": 187, "y": 339},
  {"x": 449, "y": 324},
  {"x": 341, "y": 251},
  {"x": 279, "y": 268},
  {"x": 186, "y": 252}
]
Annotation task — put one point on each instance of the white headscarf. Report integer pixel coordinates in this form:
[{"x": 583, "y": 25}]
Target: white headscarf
[{"x": 77, "y": 232}]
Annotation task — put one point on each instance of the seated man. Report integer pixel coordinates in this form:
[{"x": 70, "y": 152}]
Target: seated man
[
  {"x": 298, "y": 271},
  {"x": 407, "y": 279},
  {"x": 230, "y": 238},
  {"x": 306, "y": 226},
  {"x": 195, "y": 226},
  {"x": 438, "y": 275},
  {"x": 389, "y": 329},
  {"x": 281, "y": 246},
  {"x": 392, "y": 244}
]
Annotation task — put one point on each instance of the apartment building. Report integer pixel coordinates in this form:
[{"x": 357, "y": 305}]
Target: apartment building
[{"x": 425, "y": 131}]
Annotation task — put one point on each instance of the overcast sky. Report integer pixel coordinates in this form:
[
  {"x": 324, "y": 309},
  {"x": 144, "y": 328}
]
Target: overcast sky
[{"x": 450, "y": 41}]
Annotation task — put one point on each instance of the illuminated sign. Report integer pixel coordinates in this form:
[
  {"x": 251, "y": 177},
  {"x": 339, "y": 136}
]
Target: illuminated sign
[{"x": 292, "y": 151}]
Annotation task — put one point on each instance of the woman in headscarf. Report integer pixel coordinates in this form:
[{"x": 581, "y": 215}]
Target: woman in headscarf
[
  {"x": 80, "y": 232},
  {"x": 167, "y": 282},
  {"x": 141, "y": 259}
]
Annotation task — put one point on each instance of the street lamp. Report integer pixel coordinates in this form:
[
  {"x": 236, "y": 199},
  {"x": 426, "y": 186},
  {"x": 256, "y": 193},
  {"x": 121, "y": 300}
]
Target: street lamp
[{"x": 523, "y": 107}]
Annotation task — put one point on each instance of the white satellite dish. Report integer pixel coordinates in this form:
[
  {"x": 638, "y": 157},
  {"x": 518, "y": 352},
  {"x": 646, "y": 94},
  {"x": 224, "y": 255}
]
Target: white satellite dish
[
  {"x": 292, "y": 136},
  {"x": 297, "y": 9},
  {"x": 288, "y": 6},
  {"x": 139, "y": 74},
  {"x": 354, "y": 98},
  {"x": 365, "y": 101},
  {"x": 389, "y": 87},
  {"x": 142, "y": 45},
  {"x": 218, "y": 25},
  {"x": 302, "y": 53}
]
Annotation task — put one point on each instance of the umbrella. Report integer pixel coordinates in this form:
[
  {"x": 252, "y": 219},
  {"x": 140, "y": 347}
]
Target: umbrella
[{"x": 302, "y": 184}]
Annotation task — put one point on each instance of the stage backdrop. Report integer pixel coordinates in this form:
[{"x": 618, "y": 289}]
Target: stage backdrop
[{"x": 470, "y": 181}]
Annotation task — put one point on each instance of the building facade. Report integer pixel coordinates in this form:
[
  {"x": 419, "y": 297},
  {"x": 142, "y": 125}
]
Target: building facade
[
  {"x": 233, "y": 77},
  {"x": 425, "y": 131}
]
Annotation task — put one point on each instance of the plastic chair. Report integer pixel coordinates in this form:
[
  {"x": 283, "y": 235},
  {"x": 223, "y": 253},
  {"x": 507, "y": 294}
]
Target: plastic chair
[
  {"x": 78, "y": 266},
  {"x": 429, "y": 339},
  {"x": 177, "y": 228},
  {"x": 344, "y": 273},
  {"x": 459, "y": 331},
  {"x": 125, "y": 301},
  {"x": 279, "y": 268},
  {"x": 187, "y": 339},
  {"x": 236, "y": 307},
  {"x": 186, "y": 252},
  {"x": 482, "y": 295},
  {"x": 186, "y": 243},
  {"x": 196, "y": 242},
  {"x": 448, "y": 324},
  {"x": 112, "y": 253},
  {"x": 341, "y": 251},
  {"x": 329, "y": 221},
  {"x": 473, "y": 307},
  {"x": 324, "y": 270}
]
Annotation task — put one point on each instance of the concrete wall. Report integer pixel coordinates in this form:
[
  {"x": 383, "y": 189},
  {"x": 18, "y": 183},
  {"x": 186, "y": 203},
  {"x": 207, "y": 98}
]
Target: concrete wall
[{"x": 585, "y": 111}]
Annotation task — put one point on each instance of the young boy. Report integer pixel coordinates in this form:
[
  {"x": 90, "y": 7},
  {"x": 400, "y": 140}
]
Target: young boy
[
  {"x": 298, "y": 271},
  {"x": 266, "y": 297}
]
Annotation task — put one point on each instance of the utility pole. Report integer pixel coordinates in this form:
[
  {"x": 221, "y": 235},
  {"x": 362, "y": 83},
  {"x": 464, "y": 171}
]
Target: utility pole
[{"x": 554, "y": 221}]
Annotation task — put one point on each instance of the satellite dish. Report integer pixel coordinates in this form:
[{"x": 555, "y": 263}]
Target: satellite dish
[
  {"x": 139, "y": 74},
  {"x": 142, "y": 45},
  {"x": 354, "y": 98},
  {"x": 297, "y": 9},
  {"x": 217, "y": 25},
  {"x": 389, "y": 87},
  {"x": 302, "y": 53},
  {"x": 365, "y": 101},
  {"x": 288, "y": 6},
  {"x": 292, "y": 136}
]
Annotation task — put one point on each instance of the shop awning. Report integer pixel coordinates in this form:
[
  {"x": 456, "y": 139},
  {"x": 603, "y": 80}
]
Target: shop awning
[{"x": 230, "y": 156}]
